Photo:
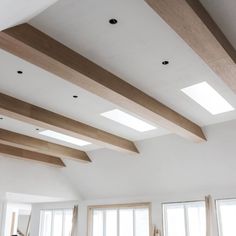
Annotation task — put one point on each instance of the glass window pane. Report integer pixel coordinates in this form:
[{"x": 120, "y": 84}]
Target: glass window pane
[
  {"x": 141, "y": 222},
  {"x": 196, "y": 220},
  {"x": 45, "y": 223},
  {"x": 97, "y": 223},
  {"x": 227, "y": 211},
  {"x": 174, "y": 220},
  {"x": 57, "y": 223},
  {"x": 111, "y": 222},
  {"x": 68, "y": 214},
  {"x": 126, "y": 222}
]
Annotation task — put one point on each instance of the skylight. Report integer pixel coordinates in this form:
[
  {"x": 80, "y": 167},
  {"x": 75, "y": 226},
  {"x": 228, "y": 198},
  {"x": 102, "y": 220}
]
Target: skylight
[
  {"x": 208, "y": 98},
  {"x": 128, "y": 120},
  {"x": 65, "y": 138}
]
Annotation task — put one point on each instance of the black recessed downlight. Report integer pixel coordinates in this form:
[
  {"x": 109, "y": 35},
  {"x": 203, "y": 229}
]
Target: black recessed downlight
[
  {"x": 113, "y": 21},
  {"x": 1, "y": 118},
  {"x": 75, "y": 96},
  {"x": 37, "y": 129},
  {"x": 19, "y": 72},
  {"x": 165, "y": 63}
]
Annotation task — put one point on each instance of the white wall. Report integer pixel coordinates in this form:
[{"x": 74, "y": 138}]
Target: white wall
[
  {"x": 25, "y": 177},
  {"x": 2, "y": 215}
]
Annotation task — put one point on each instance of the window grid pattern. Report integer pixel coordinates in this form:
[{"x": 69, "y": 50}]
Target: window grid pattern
[
  {"x": 184, "y": 219},
  {"x": 120, "y": 221},
  {"x": 55, "y": 222}
]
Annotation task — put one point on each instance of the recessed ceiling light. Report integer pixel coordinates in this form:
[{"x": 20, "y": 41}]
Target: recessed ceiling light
[
  {"x": 128, "y": 120},
  {"x": 20, "y": 72},
  {"x": 65, "y": 138},
  {"x": 165, "y": 63},
  {"x": 37, "y": 129},
  {"x": 75, "y": 96},
  {"x": 113, "y": 21},
  {"x": 1, "y": 118},
  {"x": 208, "y": 98}
]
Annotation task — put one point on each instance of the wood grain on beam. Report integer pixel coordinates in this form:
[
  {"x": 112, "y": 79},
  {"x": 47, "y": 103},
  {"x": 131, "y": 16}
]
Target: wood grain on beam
[
  {"x": 41, "y": 146},
  {"x": 30, "y": 155},
  {"x": 38, "y": 116},
  {"x": 195, "y": 26},
  {"x": 39, "y": 49}
]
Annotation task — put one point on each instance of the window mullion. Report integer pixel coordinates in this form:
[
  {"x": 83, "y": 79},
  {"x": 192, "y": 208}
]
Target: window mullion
[
  {"x": 104, "y": 223},
  {"x": 134, "y": 232},
  {"x": 63, "y": 223},
  {"x": 52, "y": 223},
  {"x": 186, "y": 221},
  {"x": 118, "y": 222}
]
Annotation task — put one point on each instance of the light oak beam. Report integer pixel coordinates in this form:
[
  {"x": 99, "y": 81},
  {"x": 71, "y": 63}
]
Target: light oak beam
[
  {"x": 38, "y": 116},
  {"x": 41, "y": 146},
  {"x": 20, "y": 153},
  {"x": 190, "y": 20},
  {"x": 39, "y": 49}
]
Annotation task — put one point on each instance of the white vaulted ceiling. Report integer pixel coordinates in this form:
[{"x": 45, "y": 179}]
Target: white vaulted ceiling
[
  {"x": 134, "y": 50},
  {"x": 15, "y": 12}
]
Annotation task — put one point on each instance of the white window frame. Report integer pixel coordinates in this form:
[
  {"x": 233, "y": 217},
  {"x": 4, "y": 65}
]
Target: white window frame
[
  {"x": 63, "y": 210},
  {"x": 184, "y": 204},
  {"x": 230, "y": 201},
  {"x": 117, "y": 207}
]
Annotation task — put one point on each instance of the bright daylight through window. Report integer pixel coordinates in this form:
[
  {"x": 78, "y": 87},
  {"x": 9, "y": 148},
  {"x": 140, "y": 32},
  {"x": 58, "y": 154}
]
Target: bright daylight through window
[
  {"x": 119, "y": 221},
  {"x": 226, "y": 210},
  {"x": 55, "y": 222},
  {"x": 184, "y": 219}
]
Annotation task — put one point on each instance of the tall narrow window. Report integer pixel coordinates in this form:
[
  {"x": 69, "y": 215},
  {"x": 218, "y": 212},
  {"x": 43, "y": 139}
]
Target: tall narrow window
[
  {"x": 184, "y": 219},
  {"x": 55, "y": 222},
  {"x": 226, "y": 210},
  {"x": 119, "y": 220}
]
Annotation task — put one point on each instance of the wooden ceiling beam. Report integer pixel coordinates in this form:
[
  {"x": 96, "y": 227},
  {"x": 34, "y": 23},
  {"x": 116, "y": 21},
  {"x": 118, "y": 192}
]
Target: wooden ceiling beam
[
  {"x": 20, "y": 153},
  {"x": 41, "y": 146},
  {"x": 39, "y": 49},
  {"x": 38, "y": 116},
  {"x": 190, "y": 20}
]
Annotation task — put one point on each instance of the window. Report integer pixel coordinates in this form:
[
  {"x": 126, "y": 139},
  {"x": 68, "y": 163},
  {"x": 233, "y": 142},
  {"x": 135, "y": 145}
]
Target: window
[
  {"x": 119, "y": 220},
  {"x": 55, "y": 222},
  {"x": 226, "y": 211},
  {"x": 184, "y": 219}
]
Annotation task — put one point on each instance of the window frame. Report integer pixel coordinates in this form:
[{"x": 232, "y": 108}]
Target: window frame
[
  {"x": 141, "y": 205},
  {"x": 53, "y": 210},
  {"x": 218, "y": 214},
  {"x": 185, "y": 214}
]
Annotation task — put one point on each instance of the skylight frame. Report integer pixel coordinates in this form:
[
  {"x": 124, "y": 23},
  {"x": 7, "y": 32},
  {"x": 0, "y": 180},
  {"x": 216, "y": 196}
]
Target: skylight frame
[
  {"x": 64, "y": 138},
  {"x": 208, "y": 98},
  {"x": 128, "y": 120}
]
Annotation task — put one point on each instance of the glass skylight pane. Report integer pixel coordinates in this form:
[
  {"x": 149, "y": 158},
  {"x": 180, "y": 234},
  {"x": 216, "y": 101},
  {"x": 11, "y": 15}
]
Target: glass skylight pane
[
  {"x": 128, "y": 120},
  {"x": 65, "y": 138},
  {"x": 208, "y": 98}
]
